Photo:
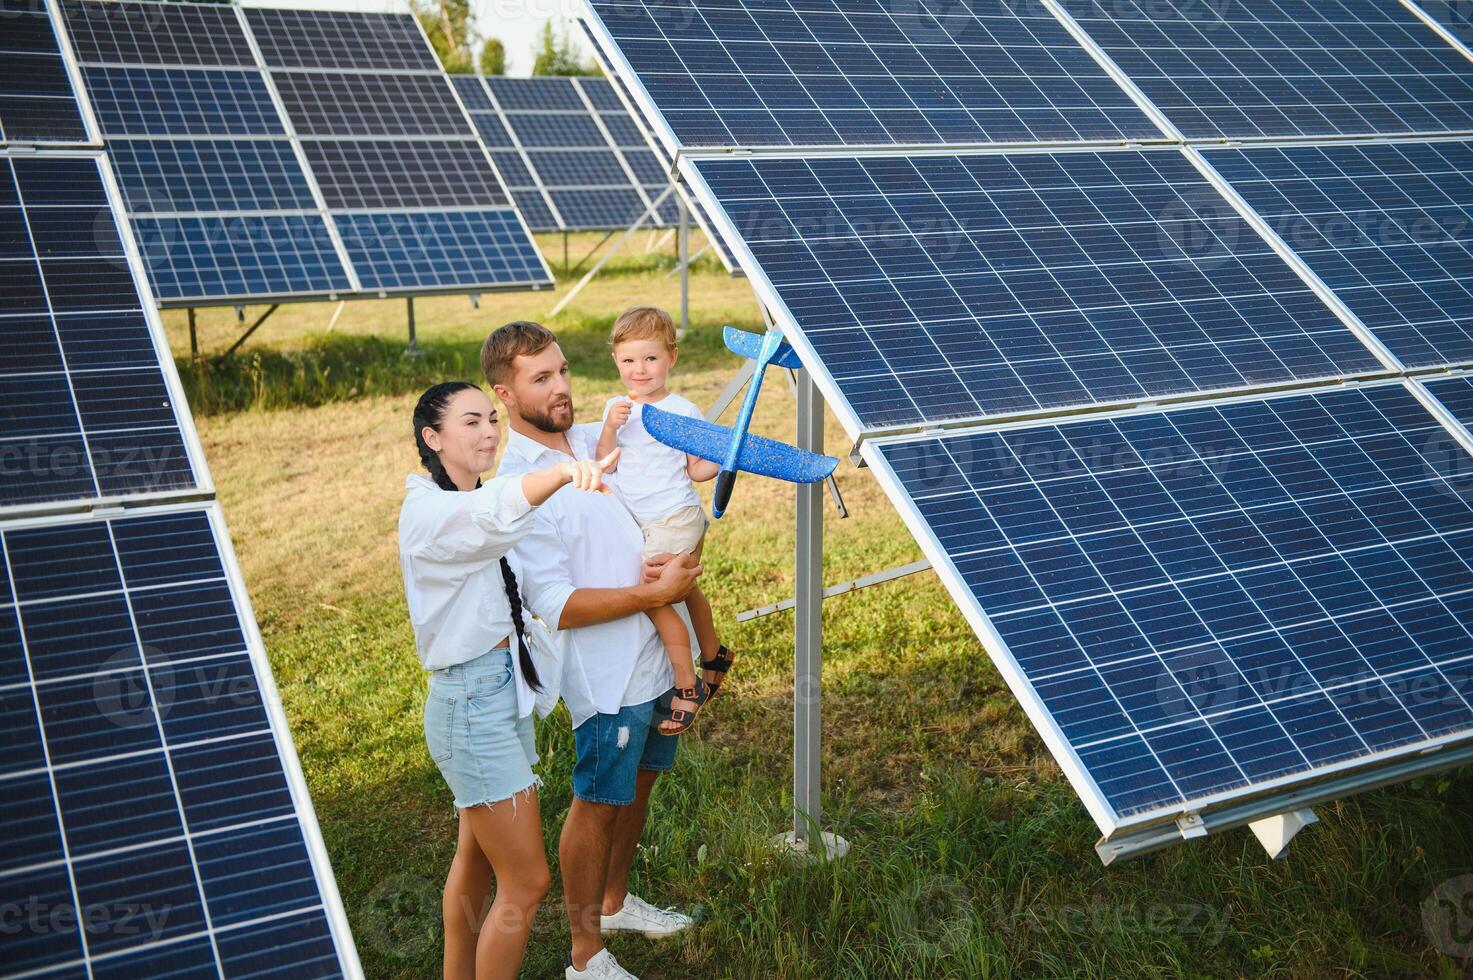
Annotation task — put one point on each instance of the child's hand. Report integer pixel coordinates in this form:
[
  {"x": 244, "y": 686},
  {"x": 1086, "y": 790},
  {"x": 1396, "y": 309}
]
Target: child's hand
[{"x": 618, "y": 416}]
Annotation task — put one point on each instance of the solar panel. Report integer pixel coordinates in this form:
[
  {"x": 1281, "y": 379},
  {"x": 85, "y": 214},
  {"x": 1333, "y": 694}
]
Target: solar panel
[
  {"x": 1456, "y": 395},
  {"x": 37, "y": 101},
  {"x": 340, "y": 39},
  {"x": 437, "y": 249},
  {"x": 149, "y": 766},
  {"x": 1385, "y": 225},
  {"x": 949, "y": 287},
  {"x": 86, "y": 411},
  {"x": 225, "y": 215},
  {"x": 785, "y": 73},
  {"x": 1286, "y": 68},
  {"x": 403, "y": 174},
  {"x": 1195, "y": 603},
  {"x": 326, "y": 104},
  {"x": 554, "y": 149},
  {"x": 156, "y": 34}
]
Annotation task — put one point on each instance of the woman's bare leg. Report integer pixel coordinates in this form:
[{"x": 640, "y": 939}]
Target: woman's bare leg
[
  {"x": 466, "y": 889},
  {"x": 511, "y": 837}
]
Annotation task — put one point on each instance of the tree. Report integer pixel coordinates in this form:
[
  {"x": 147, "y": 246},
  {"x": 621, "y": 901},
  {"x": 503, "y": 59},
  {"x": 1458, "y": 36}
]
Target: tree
[
  {"x": 493, "y": 57},
  {"x": 555, "y": 54},
  {"x": 449, "y": 24}
]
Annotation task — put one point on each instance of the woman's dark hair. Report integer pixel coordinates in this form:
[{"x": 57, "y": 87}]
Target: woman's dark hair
[{"x": 430, "y": 413}]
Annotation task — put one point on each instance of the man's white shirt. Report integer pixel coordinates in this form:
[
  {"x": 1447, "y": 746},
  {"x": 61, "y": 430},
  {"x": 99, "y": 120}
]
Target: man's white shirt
[
  {"x": 651, "y": 476},
  {"x": 587, "y": 541}
]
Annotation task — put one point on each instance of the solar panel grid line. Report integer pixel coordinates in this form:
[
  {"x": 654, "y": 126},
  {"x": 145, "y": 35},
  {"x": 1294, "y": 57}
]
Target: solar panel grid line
[
  {"x": 873, "y": 452},
  {"x": 165, "y": 484},
  {"x": 915, "y": 416},
  {"x": 33, "y": 112},
  {"x": 1282, "y": 248},
  {"x": 516, "y": 144},
  {"x": 598, "y": 121},
  {"x": 318, "y": 198}
]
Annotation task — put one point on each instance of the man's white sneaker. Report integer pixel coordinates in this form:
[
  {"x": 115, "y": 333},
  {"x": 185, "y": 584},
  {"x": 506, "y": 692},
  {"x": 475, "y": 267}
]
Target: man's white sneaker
[
  {"x": 600, "y": 966},
  {"x": 640, "y": 916}
]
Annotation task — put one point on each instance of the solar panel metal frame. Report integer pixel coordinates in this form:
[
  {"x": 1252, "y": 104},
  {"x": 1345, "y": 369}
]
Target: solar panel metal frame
[
  {"x": 333, "y": 907},
  {"x": 204, "y": 483},
  {"x": 1151, "y": 830}
]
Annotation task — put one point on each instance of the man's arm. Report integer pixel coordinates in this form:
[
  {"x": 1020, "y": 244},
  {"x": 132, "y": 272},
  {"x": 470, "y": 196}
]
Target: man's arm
[{"x": 586, "y": 607}]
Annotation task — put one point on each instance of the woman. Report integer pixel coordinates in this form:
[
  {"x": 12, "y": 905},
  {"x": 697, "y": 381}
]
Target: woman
[{"x": 454, "y": 532}]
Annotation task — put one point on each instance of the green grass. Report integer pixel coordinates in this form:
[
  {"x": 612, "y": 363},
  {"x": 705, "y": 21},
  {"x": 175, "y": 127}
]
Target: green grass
[{"x": 972, "y": 857}]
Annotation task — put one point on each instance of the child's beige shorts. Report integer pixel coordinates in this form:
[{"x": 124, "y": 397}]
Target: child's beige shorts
[{"x": 677, "y": 532}]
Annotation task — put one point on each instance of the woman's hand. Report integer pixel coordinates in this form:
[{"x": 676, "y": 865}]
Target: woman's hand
[{"x": 588, "y": 474}]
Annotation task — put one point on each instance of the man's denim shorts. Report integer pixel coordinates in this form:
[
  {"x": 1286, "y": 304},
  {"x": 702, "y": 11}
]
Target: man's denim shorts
[
  {"x": 613, "y": 748},
  {"x": 484, "y": 751}
]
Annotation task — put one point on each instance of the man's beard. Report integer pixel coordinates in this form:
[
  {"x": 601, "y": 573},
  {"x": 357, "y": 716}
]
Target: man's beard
[{"x": 544, "y": 422}]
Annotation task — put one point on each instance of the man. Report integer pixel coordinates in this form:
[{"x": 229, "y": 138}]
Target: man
[{"x": 581, "y": 573}]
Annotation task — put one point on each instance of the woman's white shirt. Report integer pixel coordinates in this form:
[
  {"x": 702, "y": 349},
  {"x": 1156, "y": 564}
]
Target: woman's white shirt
[{"x": 450, "y": 547}]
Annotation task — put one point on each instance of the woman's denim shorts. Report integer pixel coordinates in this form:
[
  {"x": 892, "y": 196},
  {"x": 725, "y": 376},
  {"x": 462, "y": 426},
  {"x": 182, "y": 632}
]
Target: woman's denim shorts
[{"x": 484, "y": 751}]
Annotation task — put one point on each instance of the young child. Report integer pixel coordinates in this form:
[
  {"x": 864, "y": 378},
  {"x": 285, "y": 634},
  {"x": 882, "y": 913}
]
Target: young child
[{"x": 654, "y": 481}]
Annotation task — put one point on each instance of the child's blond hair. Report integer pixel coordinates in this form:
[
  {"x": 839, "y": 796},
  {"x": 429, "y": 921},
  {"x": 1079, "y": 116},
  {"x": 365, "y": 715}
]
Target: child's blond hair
[{"x": 644, "y": 323}]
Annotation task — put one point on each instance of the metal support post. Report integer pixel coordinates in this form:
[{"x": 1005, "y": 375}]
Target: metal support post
[
  {"x": 413, "y": 349},
  {"x": 193, "y": 337},
  {"x": 684, "y": 265},
  {"x": 808, "y": 626}
]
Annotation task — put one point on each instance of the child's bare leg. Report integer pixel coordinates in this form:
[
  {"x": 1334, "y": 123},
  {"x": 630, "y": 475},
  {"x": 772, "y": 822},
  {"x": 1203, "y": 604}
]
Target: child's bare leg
[
  {"x": 704, "y": 623},
  {"x": 677, "y": 647}
]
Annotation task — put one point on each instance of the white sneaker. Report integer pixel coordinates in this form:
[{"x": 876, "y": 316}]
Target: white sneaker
[
  {"x": 601, "y": 966},
  {"x": 640, "y": 916}
]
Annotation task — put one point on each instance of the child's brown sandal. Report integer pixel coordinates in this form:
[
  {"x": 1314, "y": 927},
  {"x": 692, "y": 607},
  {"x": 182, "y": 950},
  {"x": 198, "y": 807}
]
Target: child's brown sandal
[{"x": 684, "y": 717}]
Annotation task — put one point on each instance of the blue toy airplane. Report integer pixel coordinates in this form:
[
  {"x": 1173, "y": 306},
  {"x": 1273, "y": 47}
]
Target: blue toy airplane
[{"x": 734, "y": 448}]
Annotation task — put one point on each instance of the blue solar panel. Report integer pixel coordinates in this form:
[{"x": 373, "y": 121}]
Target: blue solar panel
[
  {"x": 1386, "y": 225},
  {"x": 1456, "y": 394},
  {"x": 179, "y": 102},
  {"x": 37, "y": 103},
  {"x": 143, "y": 32},
  {"x": 85, "y": 411},
  {"x": 472, "y": 93},
  {"x": 144, "y": 771},
  {"x": 1255, "y": 68},
  {"x": 407, "y": 250},
  {"x": 535, "y": 94},
  {"x": 534, "y": 209},
  {"x": 340, "y": 39},
  {"x": 567, "y": 130},
  {"x": 608, "y": 207},
  {"x": 752, "y": 73},
  {"x": 571, "y": 168},
  {"x": 947, "y": 287},
  {"x": 217, "y": 175},
  {"x": 1209, "y": 598},
  {"x": 207, "y": 257}
]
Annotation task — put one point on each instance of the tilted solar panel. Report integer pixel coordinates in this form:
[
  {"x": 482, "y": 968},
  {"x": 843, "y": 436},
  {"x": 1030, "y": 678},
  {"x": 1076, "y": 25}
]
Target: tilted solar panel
[
  {"x": 938, "y": 288},
  {"x": 403, "y": 174},
  {"x": 1385, "y": 225},
  {"x": 381, "y": 104},
  {"x": 156, "y": 34},
  {"x": 87, "y": 412},
  {"x": 149, "y": 766},
  {"x": 1286, "y": 68},
  {"x": 398, "y": 250},
  {"x": 1202, "y": 604},
  {"x": 37, "y": 101},
  {"x": 339, "y": 39},
  {"x": 789, "y": 73}
]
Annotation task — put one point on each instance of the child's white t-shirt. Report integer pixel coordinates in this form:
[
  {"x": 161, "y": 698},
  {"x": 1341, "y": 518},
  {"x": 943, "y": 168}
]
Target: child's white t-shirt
[{"x": 651, "y": 477}]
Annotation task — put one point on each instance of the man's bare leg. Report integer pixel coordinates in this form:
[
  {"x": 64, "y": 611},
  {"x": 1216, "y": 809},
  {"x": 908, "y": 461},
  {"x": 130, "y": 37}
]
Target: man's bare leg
[
  {"x": 624, "y": 836},
  {"x": 583, "y": 853}
]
